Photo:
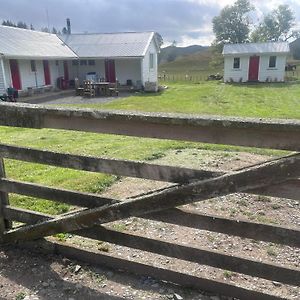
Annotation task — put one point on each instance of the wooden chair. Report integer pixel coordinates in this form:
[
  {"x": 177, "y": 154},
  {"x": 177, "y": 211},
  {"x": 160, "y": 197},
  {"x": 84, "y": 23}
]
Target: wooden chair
[
  {"x": 88, "y": 89},
  {"x": 78, "y": 89},
  {"x": 113, "y": 89}
]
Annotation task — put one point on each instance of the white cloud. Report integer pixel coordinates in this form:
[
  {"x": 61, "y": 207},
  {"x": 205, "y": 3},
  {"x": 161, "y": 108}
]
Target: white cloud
[{"x": 204, "y": 40}]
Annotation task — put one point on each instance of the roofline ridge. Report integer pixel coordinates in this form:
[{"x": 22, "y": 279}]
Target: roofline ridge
[
  {"x": 119, "y": 32},
  {"x": 27, "y": 29}
]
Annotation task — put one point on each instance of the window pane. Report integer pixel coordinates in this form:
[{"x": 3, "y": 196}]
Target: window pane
[
  {"x": 236, "y": 63},
  {"x": 91, "y": 62},
  {"x": 75, "y": 62},
  {"x": 83, "y": 62},
  {"x": 151, "y": 61},
  {"x": 272, "y": 62}
]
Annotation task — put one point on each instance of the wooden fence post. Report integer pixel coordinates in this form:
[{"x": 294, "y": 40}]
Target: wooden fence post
[{"x": 4, "y": 224}]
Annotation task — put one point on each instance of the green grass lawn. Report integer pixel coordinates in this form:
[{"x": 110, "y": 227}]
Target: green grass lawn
[
  {"x": 281, "y": 100},
  {"x": 275, "y": 101}
]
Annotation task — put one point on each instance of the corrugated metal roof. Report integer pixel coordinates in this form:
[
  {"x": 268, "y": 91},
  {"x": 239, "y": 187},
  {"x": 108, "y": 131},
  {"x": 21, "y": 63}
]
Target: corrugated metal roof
[
  {"x": 252, "y": 48},
  {"x": 16, "y": 42},
  {"x": 125, "y": 44}
]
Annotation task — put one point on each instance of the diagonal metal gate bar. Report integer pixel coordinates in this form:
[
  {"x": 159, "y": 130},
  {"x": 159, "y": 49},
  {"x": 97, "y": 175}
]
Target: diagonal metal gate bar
[{"x": 241, "y": 181}]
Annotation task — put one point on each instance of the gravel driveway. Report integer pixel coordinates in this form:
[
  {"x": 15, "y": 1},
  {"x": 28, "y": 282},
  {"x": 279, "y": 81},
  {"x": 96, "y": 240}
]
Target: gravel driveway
[{"x": 72, "y": 99}]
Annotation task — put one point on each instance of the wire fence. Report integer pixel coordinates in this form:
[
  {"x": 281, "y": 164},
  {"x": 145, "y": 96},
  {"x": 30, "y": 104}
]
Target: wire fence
[{"x": 289, "y": 76}]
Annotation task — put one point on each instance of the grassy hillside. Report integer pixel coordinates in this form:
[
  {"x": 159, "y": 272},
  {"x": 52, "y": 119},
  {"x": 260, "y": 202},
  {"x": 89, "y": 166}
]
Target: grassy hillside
[
  {"x": 197, "y": 64},
  {"x": 172, "y": 53}
]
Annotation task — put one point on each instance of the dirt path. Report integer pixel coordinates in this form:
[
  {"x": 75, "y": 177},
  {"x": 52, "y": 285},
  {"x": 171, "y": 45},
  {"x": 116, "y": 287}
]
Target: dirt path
[{"x": 24, "y": 275}]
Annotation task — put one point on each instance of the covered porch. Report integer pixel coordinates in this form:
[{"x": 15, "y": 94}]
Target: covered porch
[
  {"x": 33, "y": 75},
  {"x": 126, "y": 72}
]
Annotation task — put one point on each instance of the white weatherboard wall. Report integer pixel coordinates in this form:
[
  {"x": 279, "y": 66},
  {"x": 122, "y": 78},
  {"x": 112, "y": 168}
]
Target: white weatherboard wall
[
  {"x": 272, "y": 74},
  {"x": 128, "y": 69},
  {"x": 125, "y": 69},
  {"x": 80, "y": 71},
  {"x": 28, "y": 78},
  {"x": 236, "y": 75},
  {"x": 264, "y": 73},
  {"x": 147, "y": 73}
]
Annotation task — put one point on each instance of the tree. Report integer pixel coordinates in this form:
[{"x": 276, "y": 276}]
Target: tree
[
  {"x": 21, "y": 24},
  {"x": 276, "y": 26},
  {"x": 233, "y": 23},
  {"x": 9, "y": 23},
  {"x": 45, "y": 29}
]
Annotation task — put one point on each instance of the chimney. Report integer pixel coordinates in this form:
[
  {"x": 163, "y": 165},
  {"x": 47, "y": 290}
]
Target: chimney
[{"x": 68, "y": 26}]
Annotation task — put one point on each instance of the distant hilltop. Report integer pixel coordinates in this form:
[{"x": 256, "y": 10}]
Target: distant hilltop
[{"x": 171, "y": 53}]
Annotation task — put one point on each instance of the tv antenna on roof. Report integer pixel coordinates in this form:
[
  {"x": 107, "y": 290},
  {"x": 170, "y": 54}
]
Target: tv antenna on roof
[{"x": 48, "y": 24}]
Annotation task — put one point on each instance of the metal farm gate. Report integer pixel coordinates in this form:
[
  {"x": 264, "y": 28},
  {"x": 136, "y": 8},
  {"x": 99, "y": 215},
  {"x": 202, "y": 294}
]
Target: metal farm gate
[{"x": 277, "y": 177}]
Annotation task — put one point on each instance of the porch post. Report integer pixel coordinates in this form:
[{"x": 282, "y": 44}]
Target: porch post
[
  {"x": 3, "y": 72},
  {"x": 142, "y": 73}
]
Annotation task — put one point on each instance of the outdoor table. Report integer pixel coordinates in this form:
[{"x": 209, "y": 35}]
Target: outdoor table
[{"x": 101, "y": 88}]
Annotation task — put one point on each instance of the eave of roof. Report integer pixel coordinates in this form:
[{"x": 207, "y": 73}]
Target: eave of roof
[{"x": 256, "y": 48}]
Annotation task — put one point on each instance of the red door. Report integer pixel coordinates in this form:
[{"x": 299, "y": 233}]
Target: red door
[
  {"x": 253, "y": 68},
  {"x": 47, "y": 72},
  {"x": 66, "y": 70},
  {"x": 15, "y": 74},
  {"x": 110, "y": 71}
]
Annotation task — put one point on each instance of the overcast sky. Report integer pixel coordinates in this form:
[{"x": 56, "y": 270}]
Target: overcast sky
[{"x": 185, "y": 21}]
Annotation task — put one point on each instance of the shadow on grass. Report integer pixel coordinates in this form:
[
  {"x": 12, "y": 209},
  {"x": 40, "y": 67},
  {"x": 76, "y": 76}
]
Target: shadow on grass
[
  {"x": 264, "y": 84},
  {"x": 148, "y": 94}
]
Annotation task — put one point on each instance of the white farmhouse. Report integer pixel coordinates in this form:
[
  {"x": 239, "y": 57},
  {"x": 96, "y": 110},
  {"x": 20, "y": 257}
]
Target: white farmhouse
[
  {"x": 32, "y": 59},
  {"x": 128, "y": 57},
  {"x": 255, "y": 62}
]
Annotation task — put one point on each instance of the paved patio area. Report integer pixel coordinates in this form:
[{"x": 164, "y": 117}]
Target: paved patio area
[{"x": 68, "y": 97}]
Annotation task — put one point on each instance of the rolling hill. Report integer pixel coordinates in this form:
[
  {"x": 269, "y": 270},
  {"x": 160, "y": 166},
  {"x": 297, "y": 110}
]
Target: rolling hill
[
  {"x": 171, "y": 53},
  {"x": 197, "y": 63}
]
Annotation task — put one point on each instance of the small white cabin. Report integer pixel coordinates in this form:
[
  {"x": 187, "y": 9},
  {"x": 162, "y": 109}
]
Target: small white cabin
[{"x": 255, "y": 62}]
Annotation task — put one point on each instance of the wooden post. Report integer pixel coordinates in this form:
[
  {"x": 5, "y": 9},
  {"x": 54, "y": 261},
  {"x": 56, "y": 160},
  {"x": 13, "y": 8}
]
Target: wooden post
[{"x": 4, "y": 224}]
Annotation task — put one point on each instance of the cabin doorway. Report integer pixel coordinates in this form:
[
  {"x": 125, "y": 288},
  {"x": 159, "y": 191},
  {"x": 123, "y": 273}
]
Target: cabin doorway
[
  {"x": 110, "y": 71},
  {"x": 47, "y": 72},
  {"x": 253, "y": 68}
]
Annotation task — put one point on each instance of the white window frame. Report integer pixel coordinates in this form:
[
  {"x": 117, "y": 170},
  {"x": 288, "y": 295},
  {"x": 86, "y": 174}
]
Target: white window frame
[
  {"x": 273, "y": 67},
  {"x": 151, "y": 61},
  {"x": 233, "y": 65}
]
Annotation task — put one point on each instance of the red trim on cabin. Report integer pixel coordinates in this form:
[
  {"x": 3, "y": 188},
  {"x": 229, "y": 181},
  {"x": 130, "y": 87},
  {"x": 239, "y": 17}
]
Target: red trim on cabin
[
  {"x": 15, "y": 74},
  {"x": 253, "y": 68},
  {"x": 47, "y": 72},
  {"x": 110, "y": 71}
]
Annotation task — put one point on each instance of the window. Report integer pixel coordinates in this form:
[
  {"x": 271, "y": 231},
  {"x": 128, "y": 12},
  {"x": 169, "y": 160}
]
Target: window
[
  {"x": 56, "y": 63},
  {"x": 75, "y": 62},
  {"x": 91, "y": 62},
  {"x": 33, "y": 66},
  {"x": 83, "y": 62},
  {"x": 236, "y": 63},
  {"x": 272, "y": 62},
  {"x": 151, "y": 63}
]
